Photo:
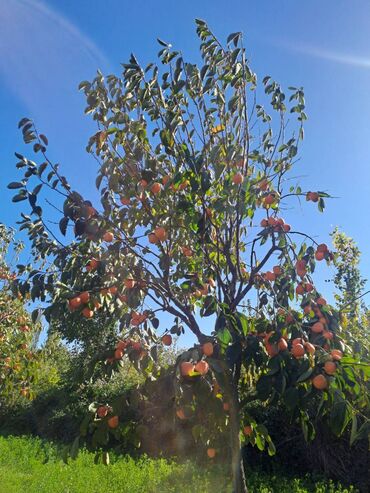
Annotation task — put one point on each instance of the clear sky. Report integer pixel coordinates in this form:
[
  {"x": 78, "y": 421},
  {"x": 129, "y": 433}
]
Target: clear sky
[{"x": 47, "y": 47}]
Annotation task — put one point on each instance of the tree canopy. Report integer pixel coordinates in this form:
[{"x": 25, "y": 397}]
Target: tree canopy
[{"x": 194, "y": 176}]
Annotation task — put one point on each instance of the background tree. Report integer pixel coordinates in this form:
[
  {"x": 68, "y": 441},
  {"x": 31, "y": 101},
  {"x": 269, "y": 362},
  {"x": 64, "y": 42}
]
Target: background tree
[
  {"x": 18, "y": 335},
  {"x": 350, "y": 297},
  {"x": 193, "y": 177}
]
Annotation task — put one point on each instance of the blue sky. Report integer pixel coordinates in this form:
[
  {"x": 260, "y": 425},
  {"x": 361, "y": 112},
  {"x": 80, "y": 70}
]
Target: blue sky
[{"x": 48, "y": 47}]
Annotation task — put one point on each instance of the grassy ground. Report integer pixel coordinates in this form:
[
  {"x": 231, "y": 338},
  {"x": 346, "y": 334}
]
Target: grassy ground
[{"x": 28, "y": 465}]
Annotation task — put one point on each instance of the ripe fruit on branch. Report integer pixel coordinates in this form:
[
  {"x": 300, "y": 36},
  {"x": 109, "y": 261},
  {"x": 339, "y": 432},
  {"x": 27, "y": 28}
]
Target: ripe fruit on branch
[
  {"x": 300, "y": 289},
  {"x": 264, "y": 185},
  {"x": 183, "y": 185},
  {"x": 156, "y": 188},
  {"x": 330, "y": 367},
  {"x": 108, "y": 237},
  {"x": 300, "y": 268},
  {"x": 129, "y": 283},
  {"x": 113, "y": 422},
  {"x": 136, "y": 346},
  {"x": 186, "y": 367},
  {"x": 313, "y": 196},
  {"x": 298, "y": 351},
  {"x": 269, "y": 199},
  {"x": 160, "y": 233},
  {"x": 180, "y": 413},
  {"x": 322, "y": 248},
  {"x": 121, "y": 345},
  {"x": 328, "y": 335},
  {"x": 167, "y": 340},
  {"x": 84, "y": 297},
  {"x": 92, "y": 265},
  {"x": 138, "y": 318},
  {"x": 188, "y": 252},
  {"x": 87, "y": 313},
  {"x": 336, "y": 354},
  {"x": 307, "y": 309},
  {"x": 270, "y": 276},
  {"x": 118, "y": 354},
  {"x": 320, "y": 382},
  {"x": 125, "y": 201},
  {"x": 321, "y": 252},
  {"x": 207, "y": 348},
  {"x": 153, "y": 238},
  {"x": 247, "y": 430},
  {"x": 202, "y": 367},
  {"x": 102, "y": 411},
  {"x": 317, "y": 327},
  {"x": 319, "y": 256},
  {"x": 297, "y": 340},
  {"x": 238, "y": 179},
  {"x": 310, "y": 348},
  {"x": 271, "y": 349},
  {"x": 321, "y": 301},
  {"x": 74, "y": 303},
  {"x": 282, "y": 345},
  {"x": 211, "y": 452}
]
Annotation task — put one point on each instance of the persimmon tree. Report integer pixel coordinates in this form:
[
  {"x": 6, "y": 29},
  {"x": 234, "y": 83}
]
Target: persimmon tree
[
  {"x": 18, "y": 358},
  {"x": 193, "y": 174}
]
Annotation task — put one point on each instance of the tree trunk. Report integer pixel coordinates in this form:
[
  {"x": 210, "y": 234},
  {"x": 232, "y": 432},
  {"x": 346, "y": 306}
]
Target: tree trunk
[
  {"x": 239, "y": 485},
  {"x": 237, "y": 467}
]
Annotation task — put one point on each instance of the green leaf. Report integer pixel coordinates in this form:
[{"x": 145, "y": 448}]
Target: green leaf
[
  {"x": 243, "y": 322},
  {"x": 209, "y": 307},
  {"x": 308, "y": 429},
  {"x": 163, "y": 43},
  {"x": 15, "y": 184},
  {"x": 20, "y": 196},
  {"x": 305, "y": 375},
  {"x": 224, "y": 337},
  {"x": 353, "y": 430},
  {"x": 36, "y": 315},
  {"x": 63, "y": 223},
  {"x": 271, "y": 449},
  {"x": 37, "y": 189},
  {"x": 339, "y": 416},
  {"x": 260, "y": 442},
  {"x": 321, "y": 205}
]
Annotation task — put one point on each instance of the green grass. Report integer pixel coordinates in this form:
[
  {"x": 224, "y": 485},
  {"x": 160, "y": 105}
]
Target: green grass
[{"x": 28, "y": 465}]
